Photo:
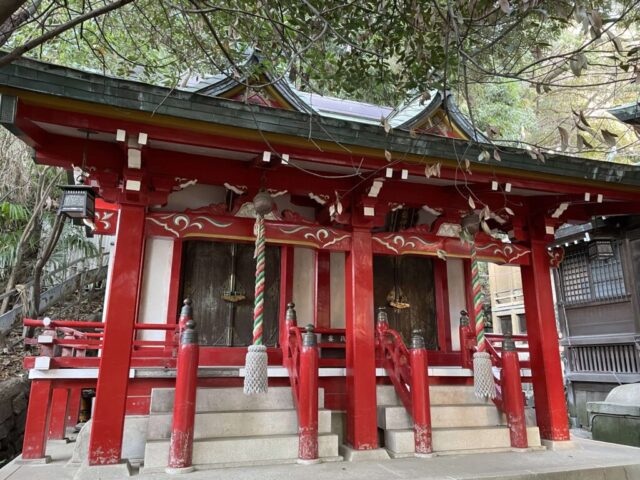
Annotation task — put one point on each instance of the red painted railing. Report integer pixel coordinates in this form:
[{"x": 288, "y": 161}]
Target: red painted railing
[
  {"x": 301, "y": 359},
  {"x": 409, "y": 374},
  {"x": 505, "y": 357},
  {"x": 395, "y": 359},
  {"x": 75, "y": 343},
  {"x": 292, "y": 359}
]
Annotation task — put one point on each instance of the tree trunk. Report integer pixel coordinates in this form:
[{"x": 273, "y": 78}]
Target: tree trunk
[
  {"x": 26, "y": 236},
  {"x": 8, "y": 8},
  {"x": 16, "y": 19},
  {"x": 46, "y": 252}
]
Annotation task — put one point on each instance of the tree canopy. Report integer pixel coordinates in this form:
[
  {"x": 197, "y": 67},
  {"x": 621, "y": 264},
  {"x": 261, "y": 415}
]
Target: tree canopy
[{"x": 533, "y": 73}]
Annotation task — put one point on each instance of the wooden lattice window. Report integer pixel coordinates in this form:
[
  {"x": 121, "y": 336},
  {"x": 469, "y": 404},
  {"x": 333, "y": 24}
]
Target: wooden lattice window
[{"x": 586, "y": 280}]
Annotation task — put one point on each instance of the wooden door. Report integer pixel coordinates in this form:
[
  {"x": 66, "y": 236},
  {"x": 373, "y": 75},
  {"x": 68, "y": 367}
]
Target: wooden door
[
  {"x": 225, "y": 317},
  {"x": 407, "y": 280}
]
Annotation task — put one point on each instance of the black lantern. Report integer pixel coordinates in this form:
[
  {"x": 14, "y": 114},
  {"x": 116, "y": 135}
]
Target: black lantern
[
  {"x": 78, "y": 202},
  {"x": 600, "y": 250}
]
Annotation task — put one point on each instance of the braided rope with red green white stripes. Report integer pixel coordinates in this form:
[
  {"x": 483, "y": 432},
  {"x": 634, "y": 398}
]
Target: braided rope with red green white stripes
[
  {"x": 478, "y": 310},
  {"x": 259, "y": 255}
]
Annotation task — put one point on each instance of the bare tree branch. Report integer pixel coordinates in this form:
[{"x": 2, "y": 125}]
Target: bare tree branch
[{"x": 54, "y": 32}]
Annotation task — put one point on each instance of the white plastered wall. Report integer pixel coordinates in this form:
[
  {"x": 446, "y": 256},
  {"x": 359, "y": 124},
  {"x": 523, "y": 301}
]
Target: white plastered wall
[
  {"x": 457, "y": 297},
  {"x": 337, "y": 290},
  {"x": 156, "y": 280},
  {"x": 304, "y": 284}
]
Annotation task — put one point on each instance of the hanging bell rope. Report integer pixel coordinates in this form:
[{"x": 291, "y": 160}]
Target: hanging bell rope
[
  {"x": 256, "y": 378},
  {"x": 483, "y": 383}
]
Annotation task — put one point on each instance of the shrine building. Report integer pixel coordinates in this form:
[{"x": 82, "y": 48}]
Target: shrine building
[{"x": 373, "y": 230}]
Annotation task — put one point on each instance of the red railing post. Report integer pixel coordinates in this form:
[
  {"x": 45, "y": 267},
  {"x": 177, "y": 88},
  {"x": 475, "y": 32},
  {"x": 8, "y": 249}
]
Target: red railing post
[
  {"x": 513, "y": 398},
  {"x": 420, "y": 396},
  {"x": 308, "y": 400},
  {"x": 185, "y": 314},
  {"x": 466, "y": 337},
  {"x": 290, "y": 321},
  {"x": 184, "y": 406},
  {"x": 382, "y": 325},
  {"x": 36, "y": 428},
  {"x": 45, "y": 339}
]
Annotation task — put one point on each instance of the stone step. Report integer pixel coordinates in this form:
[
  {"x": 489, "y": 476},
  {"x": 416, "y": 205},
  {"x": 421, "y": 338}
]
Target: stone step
[
  {"x": 240, "y": 450},
  {"x": 237, "y": 424},
  {"x": 229, "y": 399},
  {"x": 438, "y": 395},
  {"x": 396, "y": 417},
  {"x": 458, "y": 439}
]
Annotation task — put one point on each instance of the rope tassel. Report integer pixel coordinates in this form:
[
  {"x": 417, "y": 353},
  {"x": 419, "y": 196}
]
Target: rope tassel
[
  {"x": 483, "y": 383},
  {"x": 256, "y": 378}
]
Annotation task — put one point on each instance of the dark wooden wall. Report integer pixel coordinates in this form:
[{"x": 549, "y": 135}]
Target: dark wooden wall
[{"x": 415, "y": 278}]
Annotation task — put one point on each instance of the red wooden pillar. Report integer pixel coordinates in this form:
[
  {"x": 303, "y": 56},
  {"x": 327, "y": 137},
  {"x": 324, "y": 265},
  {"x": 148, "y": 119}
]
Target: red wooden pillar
[
  {"x": 512, "y": 394},
  {"x": 286, "y": 293},
  {"x": 548, "y": 387},
  {"x": 37, "y": 425},
  {"x": 75, "y": 397},
  {"x": 362, "y": 429},
  {"x": 442, "y": 305},
  {"x": 184, "y": 406},
  {"x": 174, "y": 289},
  {"x": 58, "y": 415},
  {"x": 105, "y": 445},
  {"x": 420, "y": 397},
  {"x": 308, "y": 400},
  {"x": 322, "y": 294}
]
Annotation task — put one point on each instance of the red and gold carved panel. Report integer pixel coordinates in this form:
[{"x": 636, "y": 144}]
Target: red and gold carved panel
[
  {"x": 189, "y": 225},
  {"x": 425, "y": 244}
]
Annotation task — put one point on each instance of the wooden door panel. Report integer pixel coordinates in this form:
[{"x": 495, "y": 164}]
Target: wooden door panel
[
  {"x": 415, "y": 279},
  {"x": 206, "y": 276}
]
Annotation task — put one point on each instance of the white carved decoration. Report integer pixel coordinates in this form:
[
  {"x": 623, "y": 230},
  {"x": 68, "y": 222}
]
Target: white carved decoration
[
  {"x": 504, "y": 250},
  {"x": 395, "y": 243},
  {"x": 449, "y": 230},
  {"x": 185, "y": 182},
  {"x": 324, "y": 237},
  {"x": 103, "y": 218},
  {"x": 176, "y": 223},
  {"x": 321, "y": 199},
  {"x": 237, "y": 189}
]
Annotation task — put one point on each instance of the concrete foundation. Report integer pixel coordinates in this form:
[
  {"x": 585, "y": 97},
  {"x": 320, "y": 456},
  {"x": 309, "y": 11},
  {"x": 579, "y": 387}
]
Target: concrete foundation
[
  {"x": 103, "y": 472},
  {"x": 133, "y": 441},
  {"x": 589, "y": 460},
  {"x": 352, "y": 455},
  {"x": 557, "y": 445}
]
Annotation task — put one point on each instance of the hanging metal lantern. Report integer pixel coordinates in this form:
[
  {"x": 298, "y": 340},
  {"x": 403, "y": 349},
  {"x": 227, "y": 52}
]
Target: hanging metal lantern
[
  {"x": 600, "y": 250},
  {"x": 78, "y": 202}
]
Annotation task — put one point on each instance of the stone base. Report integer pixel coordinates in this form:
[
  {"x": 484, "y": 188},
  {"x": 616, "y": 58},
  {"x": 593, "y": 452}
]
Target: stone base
[
  {"x": 33, "y": 461},
  {"x": 352, "y": 455},
  {"x": 558, "y": 444},
  {"x": 315, "y": 461},
  {"x": 58, "y": 441},
  {"x": 423, "y": 455},
  {"x": 103, "y": 472},
  {"x": 178, "y": 471}
]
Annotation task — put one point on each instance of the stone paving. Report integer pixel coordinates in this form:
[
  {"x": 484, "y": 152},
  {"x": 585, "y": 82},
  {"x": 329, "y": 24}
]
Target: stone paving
[{"x": 586, "y": 460}]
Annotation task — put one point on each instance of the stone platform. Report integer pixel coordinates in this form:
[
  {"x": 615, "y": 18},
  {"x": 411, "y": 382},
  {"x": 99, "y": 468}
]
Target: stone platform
[{"x": 586, "y": 461}]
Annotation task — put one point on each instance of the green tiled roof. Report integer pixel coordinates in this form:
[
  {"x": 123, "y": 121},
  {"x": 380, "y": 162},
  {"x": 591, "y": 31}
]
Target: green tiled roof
[{"x": 39, "y": 77}]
